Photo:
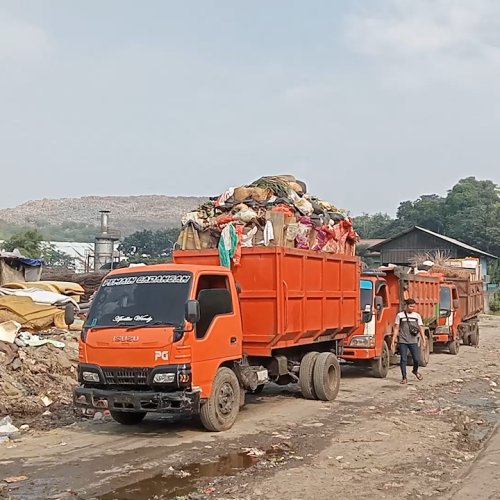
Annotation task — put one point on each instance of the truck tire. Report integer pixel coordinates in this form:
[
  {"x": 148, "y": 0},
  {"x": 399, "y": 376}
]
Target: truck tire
[
  {"x": 474, "y": 336},
  {"x": 380, "y": 366},
  {"x": 453, "y": 347},
  {"x": 326, "y": 376},
  {"x": 474, "y": 339},
  {"x": 220, "y": 410},
  {"x": 128, "y": 418},
  {"x": 306, "y": 375}
]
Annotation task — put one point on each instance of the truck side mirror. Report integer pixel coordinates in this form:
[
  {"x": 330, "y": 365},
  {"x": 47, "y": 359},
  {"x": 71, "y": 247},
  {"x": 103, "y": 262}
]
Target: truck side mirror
[
  {"x": 366, "y": 316},
  {"x": 192, "y": 311},
  {"x": 456, "y": 303},
  {"x": 69, "y": 314},
  {"x": 379, "y": 303}
]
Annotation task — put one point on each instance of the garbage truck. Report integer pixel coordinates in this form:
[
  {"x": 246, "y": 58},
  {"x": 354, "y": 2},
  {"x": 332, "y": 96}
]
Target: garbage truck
[
  {"x": 192, "y": 337},
  {"x": 382, "y": 295},
  {"x": 449, "y": 307}
]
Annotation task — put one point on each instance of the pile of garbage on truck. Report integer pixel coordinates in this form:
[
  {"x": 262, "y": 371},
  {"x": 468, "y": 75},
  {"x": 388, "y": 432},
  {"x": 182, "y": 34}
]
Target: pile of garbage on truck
[{"x": 271, "y": 211}]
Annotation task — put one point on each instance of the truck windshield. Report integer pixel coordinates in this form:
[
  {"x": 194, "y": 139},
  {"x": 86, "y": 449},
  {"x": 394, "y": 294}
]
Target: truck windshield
[
  {"x": 445, "y": 299},
  {"x": 366, "y": 291},
  {"x": 140, "y": 299}
]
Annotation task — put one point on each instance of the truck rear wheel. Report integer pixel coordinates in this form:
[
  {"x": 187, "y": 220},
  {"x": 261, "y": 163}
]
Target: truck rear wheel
[
  {"x": 326, "y": 376},
  {"x": 220, "y": 410},
  {"x": 380, "y": 366},
  {"x": 453, "y": 346},
  {"x": 128, "y": 418},
  {"x": 474, "y": 336},
  {"x": 306, "y": 375}
]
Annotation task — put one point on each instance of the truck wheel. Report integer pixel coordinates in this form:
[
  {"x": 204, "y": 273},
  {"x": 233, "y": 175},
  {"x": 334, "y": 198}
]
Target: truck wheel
[
  {"x": 474, "y": 339},
  {"x": 453, "y": 346},
  {"x": 306, "y": 375},
  {"x": 474, "y": 336},
  {"x": 425, "y": 353},
  {"x": 326, "y": 376},
  {"x": 258, "y": 389},
  {"x": 380, "y": 366},
  {"x": 220, "y": 410},
  {"x": 128, "y": 418}
]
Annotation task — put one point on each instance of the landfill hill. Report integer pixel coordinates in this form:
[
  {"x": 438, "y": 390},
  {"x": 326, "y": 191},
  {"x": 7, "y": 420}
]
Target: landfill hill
[{"x": 128, "y": 213}]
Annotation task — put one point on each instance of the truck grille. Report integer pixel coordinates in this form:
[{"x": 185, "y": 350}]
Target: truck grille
[{"x": 126, "y": 376}]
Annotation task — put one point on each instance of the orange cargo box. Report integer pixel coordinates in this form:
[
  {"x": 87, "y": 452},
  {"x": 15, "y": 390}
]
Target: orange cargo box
[
  {"x": 424, "y": 288},
  {"x": 290, "y": 297},
  {"x": 471, "y": 297}
]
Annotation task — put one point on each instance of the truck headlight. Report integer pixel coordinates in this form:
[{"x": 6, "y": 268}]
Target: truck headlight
[
  {"x": 90, "y": 377},
  {"x": 164, "y": 378},
  {"x": 362, "y": 341}
]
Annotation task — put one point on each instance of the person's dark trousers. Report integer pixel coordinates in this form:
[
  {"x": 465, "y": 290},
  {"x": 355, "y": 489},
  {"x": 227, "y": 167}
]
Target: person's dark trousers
[{"x": 403, "y": 352}]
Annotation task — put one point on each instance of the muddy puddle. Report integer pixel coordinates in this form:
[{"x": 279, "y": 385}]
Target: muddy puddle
[{"x": 182, "y": 481}]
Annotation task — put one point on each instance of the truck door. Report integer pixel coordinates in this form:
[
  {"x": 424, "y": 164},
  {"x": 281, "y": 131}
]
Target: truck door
[
  {"x": 445, "y": 306},
  {"x": 217, "y": 335}
]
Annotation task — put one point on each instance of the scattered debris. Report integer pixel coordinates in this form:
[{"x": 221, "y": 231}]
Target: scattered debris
[{"x": 15, "y": 479}]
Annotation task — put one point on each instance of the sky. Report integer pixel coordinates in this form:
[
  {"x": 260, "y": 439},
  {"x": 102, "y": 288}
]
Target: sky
[{"x": 370, "y": 102}]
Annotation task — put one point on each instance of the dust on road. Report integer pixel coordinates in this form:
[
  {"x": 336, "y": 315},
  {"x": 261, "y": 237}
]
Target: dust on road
[{"x": 377, "y": 440}]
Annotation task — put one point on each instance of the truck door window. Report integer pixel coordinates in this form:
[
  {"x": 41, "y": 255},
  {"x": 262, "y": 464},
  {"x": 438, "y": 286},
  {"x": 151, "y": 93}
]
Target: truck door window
[
  {"x": 445, "y": 299},
  {"x": 382, "y": 292},
  {"x": 366, "y": 295},
  {"x": 214, "y": 297}
]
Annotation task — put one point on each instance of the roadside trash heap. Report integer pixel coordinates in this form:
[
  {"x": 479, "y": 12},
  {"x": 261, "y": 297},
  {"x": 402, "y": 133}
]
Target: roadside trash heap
[
  {"x": 38, "y": 352},
  {"x": 271, "y": 211}
]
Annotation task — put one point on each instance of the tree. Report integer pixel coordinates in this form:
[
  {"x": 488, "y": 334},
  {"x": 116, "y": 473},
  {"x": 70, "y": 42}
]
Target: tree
[
  {"x": 472, "y": 209},
  {"x": 55, "y": 258},
  {"x": 426, "y": 211},
  {"x": 149, "y": 244},
  {"x": 378, "y": 225},
  {"x": 29, "y": 243}
]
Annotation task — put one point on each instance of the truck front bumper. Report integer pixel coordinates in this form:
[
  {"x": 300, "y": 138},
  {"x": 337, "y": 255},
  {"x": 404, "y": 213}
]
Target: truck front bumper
[
  {"x": 179, "y": 402},
  {"x": 359, "y": 353}
]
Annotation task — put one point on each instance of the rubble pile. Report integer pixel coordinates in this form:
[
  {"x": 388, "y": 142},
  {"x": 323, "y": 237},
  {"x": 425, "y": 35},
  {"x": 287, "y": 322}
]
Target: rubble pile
[
  {"x": 38, "y": 350},
  {"x": 37, "y": 377},
  {"x": 272, "y": 211}
]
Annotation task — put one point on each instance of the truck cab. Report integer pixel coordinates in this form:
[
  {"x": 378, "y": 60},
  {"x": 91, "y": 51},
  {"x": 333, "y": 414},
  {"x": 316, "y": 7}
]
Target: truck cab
[
  {"x": 154, "y": 339},
  {"x": 368, "y": 343},
  {"x": 446, "y": 331}
]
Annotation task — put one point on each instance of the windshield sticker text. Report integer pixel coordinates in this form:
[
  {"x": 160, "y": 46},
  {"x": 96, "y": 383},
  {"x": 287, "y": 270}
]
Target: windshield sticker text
[
  {"x": 148, "y": 279},
  {"x": 144, "y": 318}
]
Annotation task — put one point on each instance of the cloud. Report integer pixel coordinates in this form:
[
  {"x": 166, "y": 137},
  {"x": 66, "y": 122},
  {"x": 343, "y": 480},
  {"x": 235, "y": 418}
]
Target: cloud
[
  {"x": 309, "y": 92},
  {"x": 20, "y": 40},
  {"x": 421, "y": 41}
]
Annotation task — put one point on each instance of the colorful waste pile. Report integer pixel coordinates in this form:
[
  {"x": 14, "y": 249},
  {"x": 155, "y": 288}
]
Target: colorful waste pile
[
  {"x": 35, "y": 309},
  {"x": 272, "y": 211}
]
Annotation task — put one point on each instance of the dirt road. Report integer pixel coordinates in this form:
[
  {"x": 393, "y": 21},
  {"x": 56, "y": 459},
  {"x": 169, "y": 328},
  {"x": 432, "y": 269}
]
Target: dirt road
[{"x": 377, "y": 440}]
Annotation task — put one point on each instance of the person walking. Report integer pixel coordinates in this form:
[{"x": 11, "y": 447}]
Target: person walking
[{"x": 409, "y": 326}]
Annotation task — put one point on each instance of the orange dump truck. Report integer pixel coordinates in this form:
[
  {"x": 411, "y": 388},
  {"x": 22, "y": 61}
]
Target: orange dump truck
[
  {"x": 449, "y": 308},
  {"x": 192, "y": 337},
  {"x": 461, "y": 301},
  {"x": 383, "y": 293}
]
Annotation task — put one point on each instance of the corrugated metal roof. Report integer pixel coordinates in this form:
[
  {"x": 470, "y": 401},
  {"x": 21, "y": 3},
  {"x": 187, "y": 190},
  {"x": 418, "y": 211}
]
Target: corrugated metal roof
[{"x": 453, "y": 241}]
